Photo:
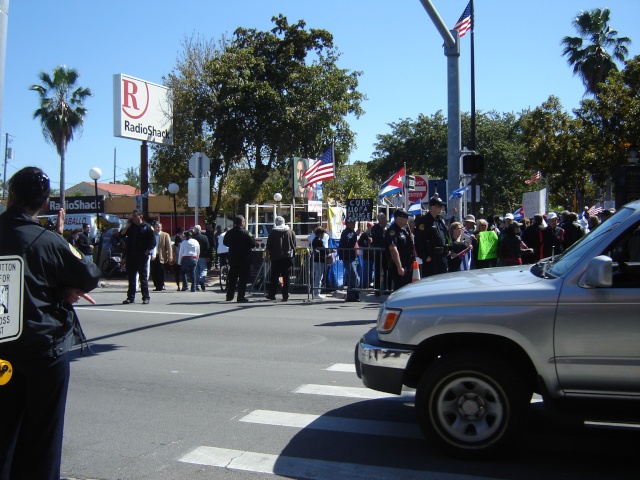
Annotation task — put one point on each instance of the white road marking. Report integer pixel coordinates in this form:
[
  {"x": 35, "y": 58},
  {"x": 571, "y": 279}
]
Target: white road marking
[
  {"x": 350, "y": 392},
  {"x": 120, "y": 310},
  {"x": 335, "y": 424},
  {"x": 295, "y": 467},
  {"x": 342, "y": 367}
]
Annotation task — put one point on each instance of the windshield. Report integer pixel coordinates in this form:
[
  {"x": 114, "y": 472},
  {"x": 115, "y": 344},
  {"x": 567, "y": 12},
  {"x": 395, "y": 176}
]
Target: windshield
[{"x": 564, "y": 262}]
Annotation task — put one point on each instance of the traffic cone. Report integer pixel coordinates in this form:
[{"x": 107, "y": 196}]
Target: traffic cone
[{"x": 416, "y": 272}]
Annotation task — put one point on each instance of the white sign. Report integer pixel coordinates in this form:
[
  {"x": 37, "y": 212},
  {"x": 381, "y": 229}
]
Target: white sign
[
  {"x": 534, "y": 203},
  {"x": 11, "y": 286},
  {"x": 199, "y": 194},
  {"x": 141, "y": 110}
]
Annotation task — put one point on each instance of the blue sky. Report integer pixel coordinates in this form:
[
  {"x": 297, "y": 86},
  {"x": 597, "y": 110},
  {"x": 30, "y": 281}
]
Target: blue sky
[{"x": 394, "y": 43}]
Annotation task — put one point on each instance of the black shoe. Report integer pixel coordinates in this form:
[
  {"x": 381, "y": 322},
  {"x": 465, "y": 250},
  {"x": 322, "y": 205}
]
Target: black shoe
[
  {"x": 127, "y": 302},
  {"x": 228, "y": 299},
  {"x": 270, "y": 298},
  {"x": 158, "y": 289},
  {"x": 184, "y": 289},
  {"x": 285, "y": 299},
  {"x": 352, "y": 300},
  {"x": 145, "y": 301},
  {"x": 243, "y": 300}
]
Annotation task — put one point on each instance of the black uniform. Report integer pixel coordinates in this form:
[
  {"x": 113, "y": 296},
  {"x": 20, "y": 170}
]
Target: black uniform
[
  {"x": 83, "y": 243},
  {"x": 240, "y": 243},
  {"x": 35, "y": 397},
  {"x": 401, "y": 238},
  {"x": 140, "y": 241},
  {"x": 380, "y": 273},
  {"x": 432, "y": 241}
]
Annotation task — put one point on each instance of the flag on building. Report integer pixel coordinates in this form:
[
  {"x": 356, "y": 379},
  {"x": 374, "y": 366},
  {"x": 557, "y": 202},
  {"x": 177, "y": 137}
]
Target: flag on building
[
  {"x": 595, "y": 210},
  {"x": 464, "y": 22},
  {"x": 458, "y": 193},
  {"x": 321, "y": 169},
  {"x": 536, "y": 176},
  {"x": 392, "y": 185}
]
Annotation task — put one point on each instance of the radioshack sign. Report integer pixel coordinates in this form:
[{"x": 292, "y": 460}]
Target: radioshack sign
[{"x": 142, "y": 110}]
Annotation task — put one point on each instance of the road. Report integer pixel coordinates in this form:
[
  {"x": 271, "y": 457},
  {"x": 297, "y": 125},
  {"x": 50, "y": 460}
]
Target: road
[{"x": 192, "y": 387}]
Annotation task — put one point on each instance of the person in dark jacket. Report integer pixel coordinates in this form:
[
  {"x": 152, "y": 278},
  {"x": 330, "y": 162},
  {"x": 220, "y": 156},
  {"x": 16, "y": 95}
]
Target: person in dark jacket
[
  {"x": 551, "y": 238},
  {"x": 432, "y": 240},
  {"x": 240, "y": 243},
  {"x": 55, "y": 275},
  {"x": 140, "y": 241},
  {"x": 280, "y": 249},
  {"x": 400, "y": 250},
  {"x": 512, "y": 248},
  {"x": 83, "y": 242},
  {"x": 348, "y": 254}
]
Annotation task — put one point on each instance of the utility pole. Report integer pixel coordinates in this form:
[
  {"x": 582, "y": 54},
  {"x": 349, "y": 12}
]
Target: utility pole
[{"x": 8, "y": 155}]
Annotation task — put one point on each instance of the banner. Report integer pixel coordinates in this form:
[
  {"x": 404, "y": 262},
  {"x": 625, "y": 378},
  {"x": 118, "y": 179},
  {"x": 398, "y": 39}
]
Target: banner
[
  {"x": 313, "y": 192},
  {"x": 336, "y": 216},
  {"x": 359, "y": 210},
  {"x": 487, "y": 245}
]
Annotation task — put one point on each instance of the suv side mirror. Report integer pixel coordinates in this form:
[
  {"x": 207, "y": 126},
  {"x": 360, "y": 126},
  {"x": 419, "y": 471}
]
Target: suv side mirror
[{"x": 599, "y": 272}]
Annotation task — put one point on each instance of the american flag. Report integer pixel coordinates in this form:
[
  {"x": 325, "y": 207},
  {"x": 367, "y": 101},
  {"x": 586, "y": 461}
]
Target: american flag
[
  {"x": 536, "y": 176},
  {"x": 464, "y": 22},
  {"x": 595, "y": 210},
  {"x": 321, "y": 169}
]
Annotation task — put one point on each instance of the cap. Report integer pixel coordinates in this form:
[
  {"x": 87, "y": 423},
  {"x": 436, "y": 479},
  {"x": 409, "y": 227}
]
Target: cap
[
  {"x": 470, "y": 218},
  {"x": 400, "y": 213},
  {"x": 435, "y": 202},
  {"x": 85, "y": 225},
  {"x": 279, "y": 221},
  {"x": 508, "y": 215},
  {"x": 552, "y": 216}
]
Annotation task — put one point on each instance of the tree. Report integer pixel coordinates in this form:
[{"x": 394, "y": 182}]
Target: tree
[
  {"x": 61, "y": 111},
  {"x": 258, "y": 100},
  {"x": 592, "y": 61}
]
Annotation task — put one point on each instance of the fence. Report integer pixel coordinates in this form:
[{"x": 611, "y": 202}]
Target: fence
[{"x": 333, "y": 270}]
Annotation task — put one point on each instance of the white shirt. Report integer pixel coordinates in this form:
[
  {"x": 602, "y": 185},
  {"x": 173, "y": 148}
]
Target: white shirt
[
  {"x": 189, "y": 248},
  {"x": 222, "y": 248}
]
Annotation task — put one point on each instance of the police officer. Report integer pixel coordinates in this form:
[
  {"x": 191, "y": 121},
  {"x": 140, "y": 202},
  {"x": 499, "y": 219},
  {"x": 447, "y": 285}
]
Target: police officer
[
  {"x": 240, "y": 243},
  {"x": 83, "y": 242},
  {"x": 56, "y": 275},
  {"x": 140, "y": 242},
  {"x": 433, "y": 240},
  {"x": 399, "y": 243},
  {"x": 380, "y": 274}
]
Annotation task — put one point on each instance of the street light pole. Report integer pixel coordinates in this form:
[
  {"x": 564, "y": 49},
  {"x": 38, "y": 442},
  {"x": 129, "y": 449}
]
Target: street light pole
[
  {"x": 8, "y": 154},
  {"x": 95, "y": 173},
  {"x": 173, "y": 190}
]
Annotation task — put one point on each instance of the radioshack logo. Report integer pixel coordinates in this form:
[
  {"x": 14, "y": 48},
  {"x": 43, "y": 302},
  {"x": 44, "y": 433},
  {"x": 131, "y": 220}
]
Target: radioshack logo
[{"x": 135, "y": 98}]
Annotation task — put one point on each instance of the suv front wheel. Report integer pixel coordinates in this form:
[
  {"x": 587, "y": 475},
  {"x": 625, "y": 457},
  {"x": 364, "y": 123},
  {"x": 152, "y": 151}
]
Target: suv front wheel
[{"x": 472, "y": 405}]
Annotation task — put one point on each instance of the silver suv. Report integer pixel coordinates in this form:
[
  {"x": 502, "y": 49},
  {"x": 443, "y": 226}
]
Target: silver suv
[{"x": 477, "y": 345}]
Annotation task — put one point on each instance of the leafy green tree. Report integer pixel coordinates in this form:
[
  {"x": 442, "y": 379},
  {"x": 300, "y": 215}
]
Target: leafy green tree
[
  {"x": 261, "y": 98},
  {"x": 589, "y": 53},
  {"x": 61, "y": 111}
]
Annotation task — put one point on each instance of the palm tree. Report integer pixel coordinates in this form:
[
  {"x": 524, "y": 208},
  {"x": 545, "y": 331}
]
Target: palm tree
[
  {"x": 61, "y": 111},
  {"x": 593, "y": 62}
]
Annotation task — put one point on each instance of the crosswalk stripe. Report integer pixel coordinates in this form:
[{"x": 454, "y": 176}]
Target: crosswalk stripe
[
  {"x": 351, "y": 392},
  {"x": 313, "y": 469},
  {"x": 342, "y": 367},
  {"x": 336, "y": 424}
]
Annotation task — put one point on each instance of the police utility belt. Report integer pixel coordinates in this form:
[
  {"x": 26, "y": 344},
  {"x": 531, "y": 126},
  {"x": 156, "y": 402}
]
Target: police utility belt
[{"x": 440, "y": 250}]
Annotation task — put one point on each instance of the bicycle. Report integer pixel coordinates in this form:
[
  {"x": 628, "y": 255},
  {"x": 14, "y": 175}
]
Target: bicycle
[
  {"x": 224, "y": 275},
  {"x": 113, "y": 266}
]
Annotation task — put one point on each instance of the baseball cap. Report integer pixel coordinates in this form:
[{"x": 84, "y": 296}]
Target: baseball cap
[
  {"x": 552, "y": 216},
  {"x": 435, "y": 202},
  {"x": 470, "y": 218},
  {"x": 401, "y": 213},
  {"x": 508, "y": 215}
]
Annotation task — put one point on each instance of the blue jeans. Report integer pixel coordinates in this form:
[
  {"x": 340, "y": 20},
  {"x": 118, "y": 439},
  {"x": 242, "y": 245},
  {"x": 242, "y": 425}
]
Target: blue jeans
[
  {"x": 201, "y": 270},
  {"x": 352, "y": 280},
  {"x": 189, "y": 265},
  {"x": 318, "y": 275}
]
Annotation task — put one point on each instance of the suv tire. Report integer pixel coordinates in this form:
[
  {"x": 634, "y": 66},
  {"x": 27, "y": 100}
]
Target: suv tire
[{"x": 471, "y": 404}]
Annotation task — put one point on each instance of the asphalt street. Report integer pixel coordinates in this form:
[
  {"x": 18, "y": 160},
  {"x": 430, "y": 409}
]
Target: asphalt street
[{"x": 193, "y": 387}]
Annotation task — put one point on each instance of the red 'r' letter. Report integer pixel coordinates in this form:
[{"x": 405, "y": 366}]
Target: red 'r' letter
[{"x": 129, "y": 85}]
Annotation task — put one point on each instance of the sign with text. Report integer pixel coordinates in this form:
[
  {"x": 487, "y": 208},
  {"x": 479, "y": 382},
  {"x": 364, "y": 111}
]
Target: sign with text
[
  {"x": 11, "y": 291},
  {"x": 359, "y": 209},
  {"x": 142, "y": 110},
  {"x": 420, "y": 191},
  {"x": 534, "y": 203},
  {"x": 75, "y": 205}
]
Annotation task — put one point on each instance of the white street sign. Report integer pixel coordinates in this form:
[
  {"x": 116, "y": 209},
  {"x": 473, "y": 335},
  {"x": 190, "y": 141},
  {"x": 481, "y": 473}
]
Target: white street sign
[
  {"x": 11, "y": 291},
  {"x": 202, "y": 200},
  {"x": 202, "y": 169}
]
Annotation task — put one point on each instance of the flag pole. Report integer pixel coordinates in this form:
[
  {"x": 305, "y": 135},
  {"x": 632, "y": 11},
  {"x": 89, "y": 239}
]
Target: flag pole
[
  {"x": 473, "y": 109},
  {"x": 404, "y": 187}
]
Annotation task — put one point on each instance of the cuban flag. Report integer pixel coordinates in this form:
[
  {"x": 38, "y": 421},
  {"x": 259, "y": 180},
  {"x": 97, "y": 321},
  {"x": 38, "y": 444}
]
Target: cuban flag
[
  {"x": 392, "y": 185},
  {"x": 458, "y": 193},
  {"x": 518, "y": 214},
  {"x": 465, "y": 256},
  {"x": 415, "y": 208}
]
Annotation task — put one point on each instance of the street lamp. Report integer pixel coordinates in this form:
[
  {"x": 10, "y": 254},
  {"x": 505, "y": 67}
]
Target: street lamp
[
  {"x": 95, "y": 173},
  {"x": 174, "y": 188},
  {"x": 278, "y": 198}
]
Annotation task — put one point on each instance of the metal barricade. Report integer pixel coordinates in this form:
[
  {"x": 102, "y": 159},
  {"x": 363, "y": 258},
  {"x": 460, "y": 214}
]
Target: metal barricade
[{"x": 367, "y": 260}]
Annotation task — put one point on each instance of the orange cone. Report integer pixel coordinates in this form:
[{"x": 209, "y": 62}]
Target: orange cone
[{"x": 416, "y": 272}]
